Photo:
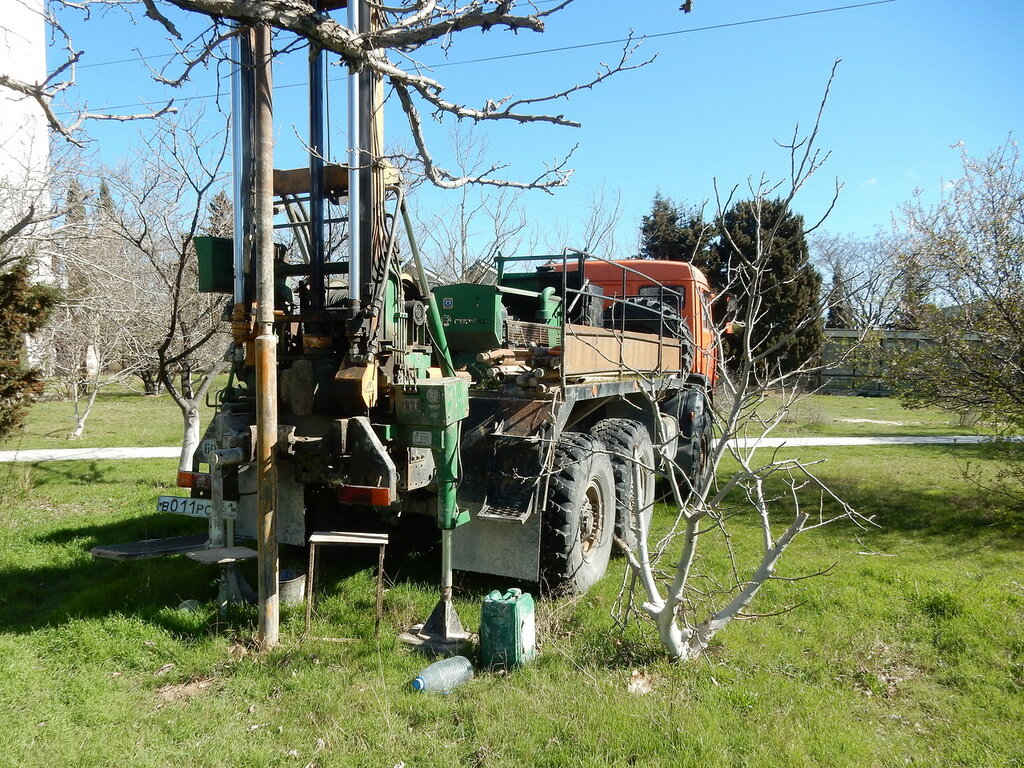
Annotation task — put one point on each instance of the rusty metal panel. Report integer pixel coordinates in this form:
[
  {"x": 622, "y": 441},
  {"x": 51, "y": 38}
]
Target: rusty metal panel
[
  {"x": 509, "y": 549},
  {"x": 590, "y": 351},
  {"x": 527, "y": 419}
]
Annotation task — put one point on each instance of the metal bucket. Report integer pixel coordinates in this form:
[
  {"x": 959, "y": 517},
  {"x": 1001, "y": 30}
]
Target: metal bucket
[{"x": 291, "y": 587}]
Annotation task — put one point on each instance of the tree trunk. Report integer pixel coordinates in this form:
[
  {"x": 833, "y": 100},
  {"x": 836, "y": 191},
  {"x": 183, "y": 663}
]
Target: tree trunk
[
  {"x": 150, "y": 381},
  {"x": 190, "y": 440},
  {"x": 80, "y": 414},
  {"x": 186, "y": 380}
]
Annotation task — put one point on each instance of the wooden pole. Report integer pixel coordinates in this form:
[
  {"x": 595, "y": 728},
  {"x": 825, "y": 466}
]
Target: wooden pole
[{"x": 266, "y": 346}]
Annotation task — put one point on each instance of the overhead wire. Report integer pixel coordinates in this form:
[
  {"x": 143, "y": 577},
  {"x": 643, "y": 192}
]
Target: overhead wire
[{"x": 519, "y": 54}]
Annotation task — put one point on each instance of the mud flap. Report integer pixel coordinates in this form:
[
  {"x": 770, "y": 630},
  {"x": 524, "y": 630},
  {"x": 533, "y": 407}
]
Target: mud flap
[{"x": 503, "y": 535}]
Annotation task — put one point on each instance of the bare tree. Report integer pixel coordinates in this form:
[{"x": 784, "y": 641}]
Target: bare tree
[
  {"x": 784, "y": 495},
  {"x": 873, "y": 270},
  {"x": 165, "y": 195},
  {"x": 971, "y": 244},
  {"x": 596, "y": 234},
  {"x": 127, "y": 266},
  {"x": 462, "y": 240},
  {"x": 46, "y": 91},
  {"x": 388, "y": 50},
  {"x": 93, "y": 333}
]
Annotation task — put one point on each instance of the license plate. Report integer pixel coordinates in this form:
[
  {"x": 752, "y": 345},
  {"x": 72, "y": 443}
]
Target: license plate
[{"x": 182, "y": 505}]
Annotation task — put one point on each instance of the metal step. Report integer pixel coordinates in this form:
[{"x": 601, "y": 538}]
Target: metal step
[
  {"x": 505, "y": 514},
  {"x": 150, "y": 548}
]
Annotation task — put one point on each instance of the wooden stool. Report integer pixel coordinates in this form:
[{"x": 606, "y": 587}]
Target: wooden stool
[{"x": 322, "y": 538}]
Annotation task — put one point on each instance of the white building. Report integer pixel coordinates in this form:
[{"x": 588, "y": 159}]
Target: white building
[
  {"x": 24, "y": 136},
  {"x": 23, "y": 131}
]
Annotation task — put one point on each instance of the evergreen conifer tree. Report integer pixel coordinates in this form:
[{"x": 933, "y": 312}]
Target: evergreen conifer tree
[
  {"x": 106, "y": 200},
  {"x": 220, "y": 216},
  {"x": 75, "y": 203},
  {"x": 789, "y": 290},
  {"x": 25, "y": 309},
  {"x": 672, "y": 232},
  {"x": 915, "y": 287}
]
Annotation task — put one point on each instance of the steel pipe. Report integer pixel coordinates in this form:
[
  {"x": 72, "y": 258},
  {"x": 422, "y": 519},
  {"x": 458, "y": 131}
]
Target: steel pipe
[{"x": 266, "y": 346}]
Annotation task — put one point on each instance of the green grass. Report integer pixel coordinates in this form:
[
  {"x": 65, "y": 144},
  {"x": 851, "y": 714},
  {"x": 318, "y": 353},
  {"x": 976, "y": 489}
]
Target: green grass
[
  {"x": 828, "y": 415},
  {"x": 125, "y": 418},
  {"x": 120, "y": 417},
  {"x": 913, "y": 658}
]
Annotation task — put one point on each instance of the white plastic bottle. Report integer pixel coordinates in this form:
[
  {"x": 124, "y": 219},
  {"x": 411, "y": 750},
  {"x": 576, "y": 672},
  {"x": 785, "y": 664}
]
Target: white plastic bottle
[{"x": 442, "y": 676}]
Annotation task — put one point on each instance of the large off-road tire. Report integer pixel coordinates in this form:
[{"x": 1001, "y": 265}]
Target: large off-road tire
[
  {"x": 624, "y": 439},
  {"x": 579, "y": 520},
  {"x": 692, "y": 410}
]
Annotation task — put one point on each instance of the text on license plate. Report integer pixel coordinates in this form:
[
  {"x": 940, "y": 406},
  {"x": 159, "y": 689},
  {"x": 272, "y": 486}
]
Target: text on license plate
[{"x": 182, "y": 505}]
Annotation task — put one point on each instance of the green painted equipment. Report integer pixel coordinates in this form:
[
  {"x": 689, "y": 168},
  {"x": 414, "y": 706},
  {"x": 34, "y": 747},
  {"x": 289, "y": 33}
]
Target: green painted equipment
[
  {"x": 508, "y": 634},
  {"x": 216, "y": 270},
  {"x": 472, "y": 315}
]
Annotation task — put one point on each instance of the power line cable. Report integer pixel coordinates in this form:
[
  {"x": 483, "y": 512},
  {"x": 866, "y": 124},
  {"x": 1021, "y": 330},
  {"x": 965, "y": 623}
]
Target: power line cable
[
  {"x": 521, "y": 54},
  {"x": 622, "y": 40}
]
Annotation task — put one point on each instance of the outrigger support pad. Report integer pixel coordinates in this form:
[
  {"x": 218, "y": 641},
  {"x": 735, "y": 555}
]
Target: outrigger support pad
[{"x": 442, "y": 633}]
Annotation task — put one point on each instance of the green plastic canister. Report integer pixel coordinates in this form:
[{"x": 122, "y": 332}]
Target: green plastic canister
[{"x": 508, "y": 633}]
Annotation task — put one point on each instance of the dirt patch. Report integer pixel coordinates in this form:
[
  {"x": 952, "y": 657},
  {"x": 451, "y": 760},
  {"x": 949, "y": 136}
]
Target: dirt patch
[
  {"x": 172, "y": 692},
  {"x": 882, "y": 672}
]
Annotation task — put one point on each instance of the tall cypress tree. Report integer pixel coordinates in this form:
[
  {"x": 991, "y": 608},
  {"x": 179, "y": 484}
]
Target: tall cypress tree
[
  {"x": 840, "y": 310},
  {"x": 220, "y": 216},
  {"x": 672, "y": 232},
  {"x": 789, "y": 286},
  {"x": 915, "y": 287},
  {"x": 75, "y": 203},
  {"x": 106, "y": 201}
]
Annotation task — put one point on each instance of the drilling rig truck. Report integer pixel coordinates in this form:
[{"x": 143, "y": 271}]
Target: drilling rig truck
[{"x": 511, "y": 412}]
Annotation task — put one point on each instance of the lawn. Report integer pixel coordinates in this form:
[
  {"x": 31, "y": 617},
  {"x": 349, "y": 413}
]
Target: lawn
[
  {"x": 909, "y": 652},
  {"x": 120, "y": 417},
  {"x": 831, "y": 415}
]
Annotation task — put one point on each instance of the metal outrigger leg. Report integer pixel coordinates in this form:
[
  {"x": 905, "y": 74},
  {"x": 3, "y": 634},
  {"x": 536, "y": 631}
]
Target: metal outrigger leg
[
  {"x": 222, "y": 550},
  {"x": 442, "y": 632}
]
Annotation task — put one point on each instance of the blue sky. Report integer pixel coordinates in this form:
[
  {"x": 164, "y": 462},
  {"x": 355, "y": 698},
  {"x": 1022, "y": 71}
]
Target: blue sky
[{"x": 917, "y": 76}]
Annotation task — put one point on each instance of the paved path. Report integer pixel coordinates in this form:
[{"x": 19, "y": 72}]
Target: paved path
[
  {"x": 89, "y": 454},
  {"x": 85, "y": 454},
  {"x": 800, "y": 442}
]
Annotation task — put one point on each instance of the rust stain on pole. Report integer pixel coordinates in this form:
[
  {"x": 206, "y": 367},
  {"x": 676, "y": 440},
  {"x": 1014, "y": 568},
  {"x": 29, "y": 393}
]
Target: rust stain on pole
[{"x": 266, "y": 346}]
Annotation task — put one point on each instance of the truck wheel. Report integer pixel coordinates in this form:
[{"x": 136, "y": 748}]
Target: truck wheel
[
  {"x": 623, "y": 437},
  {"x": 701, "y": 450},
  {"x": 578, "y": 521}
]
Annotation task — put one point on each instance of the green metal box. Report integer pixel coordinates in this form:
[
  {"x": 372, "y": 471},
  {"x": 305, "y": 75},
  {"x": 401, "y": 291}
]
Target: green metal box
[
  {"x": 472, "y": 315},
  {"x": 508, "y": 634},
  {"x": 433, "y": 402},
  {"x": 215, "y": 256}
]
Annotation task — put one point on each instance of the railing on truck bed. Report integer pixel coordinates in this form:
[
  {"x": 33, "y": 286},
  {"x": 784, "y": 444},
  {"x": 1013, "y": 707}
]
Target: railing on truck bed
[{"x": 596, "y": 352}]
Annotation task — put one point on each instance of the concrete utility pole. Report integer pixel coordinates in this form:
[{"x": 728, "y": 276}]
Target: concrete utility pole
[{"x": 266, "y": 346}]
